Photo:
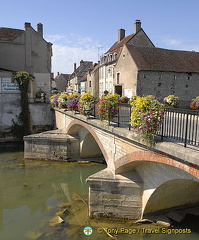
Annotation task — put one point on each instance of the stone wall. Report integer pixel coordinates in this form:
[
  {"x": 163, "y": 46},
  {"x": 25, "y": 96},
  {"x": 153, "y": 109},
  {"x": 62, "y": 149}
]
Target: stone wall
[
  {"x": 118, "y": 196},
  {"x": 51, "y": 145}
]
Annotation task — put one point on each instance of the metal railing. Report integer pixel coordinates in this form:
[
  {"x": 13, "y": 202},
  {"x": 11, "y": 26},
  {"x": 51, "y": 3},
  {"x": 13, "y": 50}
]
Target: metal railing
[{"x": 181, "y": 125}]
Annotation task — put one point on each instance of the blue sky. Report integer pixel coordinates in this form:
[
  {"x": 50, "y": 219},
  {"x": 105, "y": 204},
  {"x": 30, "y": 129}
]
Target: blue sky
[{"x": 82, "y": 29}]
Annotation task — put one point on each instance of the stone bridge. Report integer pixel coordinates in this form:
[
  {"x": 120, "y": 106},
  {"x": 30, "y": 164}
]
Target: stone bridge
[{"x": 137, "y": 181}]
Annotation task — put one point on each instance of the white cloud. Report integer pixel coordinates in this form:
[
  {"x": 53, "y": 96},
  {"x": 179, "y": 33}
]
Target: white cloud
[
  {"x": 71, "y": 49},
  {"x": 176, "y": 44}
]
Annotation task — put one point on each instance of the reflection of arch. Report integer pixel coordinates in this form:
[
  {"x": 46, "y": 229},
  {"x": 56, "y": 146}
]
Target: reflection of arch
[
  {"x": 130, "y": 161},
  {"x": 76, "y": 126},
  {"x": 173, "y": 193}
]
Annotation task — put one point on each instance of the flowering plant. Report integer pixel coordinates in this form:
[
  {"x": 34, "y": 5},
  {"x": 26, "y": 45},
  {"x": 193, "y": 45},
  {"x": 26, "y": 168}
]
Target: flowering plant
[
  {"x": 54, "y": 100},
  {"x": 123, "y": 100},
  {"x": 72, "y": 102},
  {"x": 171, "y": 101},
  {"x": 62, "y": 100},
  {"x": 86, "y": 104},
  {"x": 108, "y": 106},
  {"x": 147, "y": 117},
  {"x": 195, "y": 103}
]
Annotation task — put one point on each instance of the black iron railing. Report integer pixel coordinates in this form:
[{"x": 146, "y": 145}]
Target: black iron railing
[{"x": 181, "y": 125}]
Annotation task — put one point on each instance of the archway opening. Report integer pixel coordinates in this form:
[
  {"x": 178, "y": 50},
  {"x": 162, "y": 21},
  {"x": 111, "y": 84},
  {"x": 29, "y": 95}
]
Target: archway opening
[{"x": 173, "y": 194}]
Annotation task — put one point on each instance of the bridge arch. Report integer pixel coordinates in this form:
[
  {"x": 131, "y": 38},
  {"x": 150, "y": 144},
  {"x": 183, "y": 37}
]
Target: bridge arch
[
  {"x": 172, "y": 194},
  {"x": 131, "y": 160},
  {"x": 90, "y": 145}
]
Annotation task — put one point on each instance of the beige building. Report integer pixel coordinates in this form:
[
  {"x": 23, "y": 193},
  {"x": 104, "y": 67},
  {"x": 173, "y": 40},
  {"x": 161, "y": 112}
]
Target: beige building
[
  {"x": 107, "y": 72},
  {"x": 60, "y": 82},
  {"x": 92, "y": 84},
  {"x": 77, "y": 81},
  {"x": 25, "y": 50},
  {"x": 159, "y": 72}
]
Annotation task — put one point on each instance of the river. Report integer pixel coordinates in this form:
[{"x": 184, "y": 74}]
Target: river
[{"x": 35, "y": 195}]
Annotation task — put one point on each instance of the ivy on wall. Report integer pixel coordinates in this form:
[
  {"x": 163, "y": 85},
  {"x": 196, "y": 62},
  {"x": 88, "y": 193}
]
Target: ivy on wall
[{"x": 22, "y": 128}]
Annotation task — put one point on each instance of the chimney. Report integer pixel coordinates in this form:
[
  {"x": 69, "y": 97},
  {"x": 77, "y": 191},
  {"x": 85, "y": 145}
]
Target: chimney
[
  {"x": 137, "y": 26},
  {"x": 57, "y": 73},
  {"x": 75, "y": 67},
  {"x": 27, "y": 25},
  {"x": 81, "y": 64},
  {"x": 40, "y": 29},
  {"x": 121, "y": 34}
]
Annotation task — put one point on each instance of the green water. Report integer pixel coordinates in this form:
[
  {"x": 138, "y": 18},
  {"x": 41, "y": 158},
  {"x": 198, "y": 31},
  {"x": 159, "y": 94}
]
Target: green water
[{"x": 35, "y": 193}]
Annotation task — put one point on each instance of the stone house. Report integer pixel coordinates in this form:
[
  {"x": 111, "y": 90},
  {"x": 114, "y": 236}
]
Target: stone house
[
  {"x": 60, "y": 82},
  {"x": 159, "y": 72},
  {"x": 25, "y": 50},
  {"x": 92, "y": 84},
  {"x": 108, "y": 60},
  {"x": 77, "y": 83}
]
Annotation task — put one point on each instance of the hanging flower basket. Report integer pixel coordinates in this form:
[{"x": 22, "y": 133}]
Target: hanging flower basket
[
  {"x": 147, "y": 117},
  {"x": 62, "y": 101},
  {"x": 86, "y": 104},
  {"x": 171, "y": 101},
  {"x": 54, "y": 100},
  {"x": 72, "y": 102},
  {"x": 195, "y": 103},
  {"x": 108, "y": 107}
]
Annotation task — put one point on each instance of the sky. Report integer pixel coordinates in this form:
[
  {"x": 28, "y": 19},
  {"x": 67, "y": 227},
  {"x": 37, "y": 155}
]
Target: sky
[{"x": 85, "y": 29}]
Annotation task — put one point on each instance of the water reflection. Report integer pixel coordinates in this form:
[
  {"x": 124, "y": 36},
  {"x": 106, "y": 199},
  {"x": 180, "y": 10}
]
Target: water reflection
[{"x": 35, "y": 194}]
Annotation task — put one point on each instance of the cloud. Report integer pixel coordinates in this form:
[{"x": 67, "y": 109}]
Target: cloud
[
  {"x": 71, "y": 49},
  {"x": 179, "y": 44}
]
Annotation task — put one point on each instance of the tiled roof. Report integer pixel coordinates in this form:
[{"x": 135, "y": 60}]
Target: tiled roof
[
  {"x": 9, "y": 33},
  {"x": 66, "y": 76},
  {"x": 117, "y": 45},
  {"x": 159, "y": 59}
]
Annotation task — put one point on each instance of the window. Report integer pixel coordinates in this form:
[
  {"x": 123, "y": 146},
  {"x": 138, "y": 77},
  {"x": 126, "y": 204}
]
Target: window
[
  {"x": 118, "y": 78},
  {"x": 89, "y": 83}
]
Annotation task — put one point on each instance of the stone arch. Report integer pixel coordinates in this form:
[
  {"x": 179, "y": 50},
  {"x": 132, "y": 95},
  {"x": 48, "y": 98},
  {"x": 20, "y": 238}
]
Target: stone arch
[
  {"x": 135, "y": 158},
  {"x": 172, "y": 194},
  {"x": 76, "y": 127}
]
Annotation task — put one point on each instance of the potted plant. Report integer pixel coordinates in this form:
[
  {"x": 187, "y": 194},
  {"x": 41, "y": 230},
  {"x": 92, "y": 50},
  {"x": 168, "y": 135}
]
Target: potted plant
[
  {"x": 147, "y": 117},
  {"x": 86, "y": 104},
  {"x": 195, "y": 103},
  {"x": 54, "y": 100},
  {"x": 171, "y": 101},
  {"x": 72, "y": 102},
  {"x": 108, "y": 107},
  {"x": 62, "y": 100}
]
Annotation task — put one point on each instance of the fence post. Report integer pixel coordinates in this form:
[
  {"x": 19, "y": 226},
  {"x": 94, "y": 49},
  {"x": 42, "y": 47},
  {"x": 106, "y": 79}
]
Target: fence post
[
  {"x": 118, "y": 117},
  {"x": 129, "y": 116},
  {"x": 162, "y": 132},
  {"x": 186, "y": 129}
]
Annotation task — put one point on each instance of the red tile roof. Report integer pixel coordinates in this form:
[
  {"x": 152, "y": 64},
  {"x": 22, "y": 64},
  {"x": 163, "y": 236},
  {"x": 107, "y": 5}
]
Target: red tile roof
[
  {"x": 159, "y": 59},
  {"x": 9, "y": 33}
]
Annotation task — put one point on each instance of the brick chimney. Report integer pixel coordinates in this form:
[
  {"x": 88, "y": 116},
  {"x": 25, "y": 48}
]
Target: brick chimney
[
  {"x": 75, "y": 67},
  {"x": 40, "y": 29},
  {"x": 121, "y": 34},
  {"x": 137, "y": 26}
]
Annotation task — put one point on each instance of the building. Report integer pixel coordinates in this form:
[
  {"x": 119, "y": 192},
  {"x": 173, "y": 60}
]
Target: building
[
  {"x": 61, "y": 82},
  {"x": 77, "y": 81},
  {"x": 92, "y": 84},
  {"x": 159, "y": 72},
  {"x": 25, "y": 50},
  {"x": 109, "y": 59}
]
